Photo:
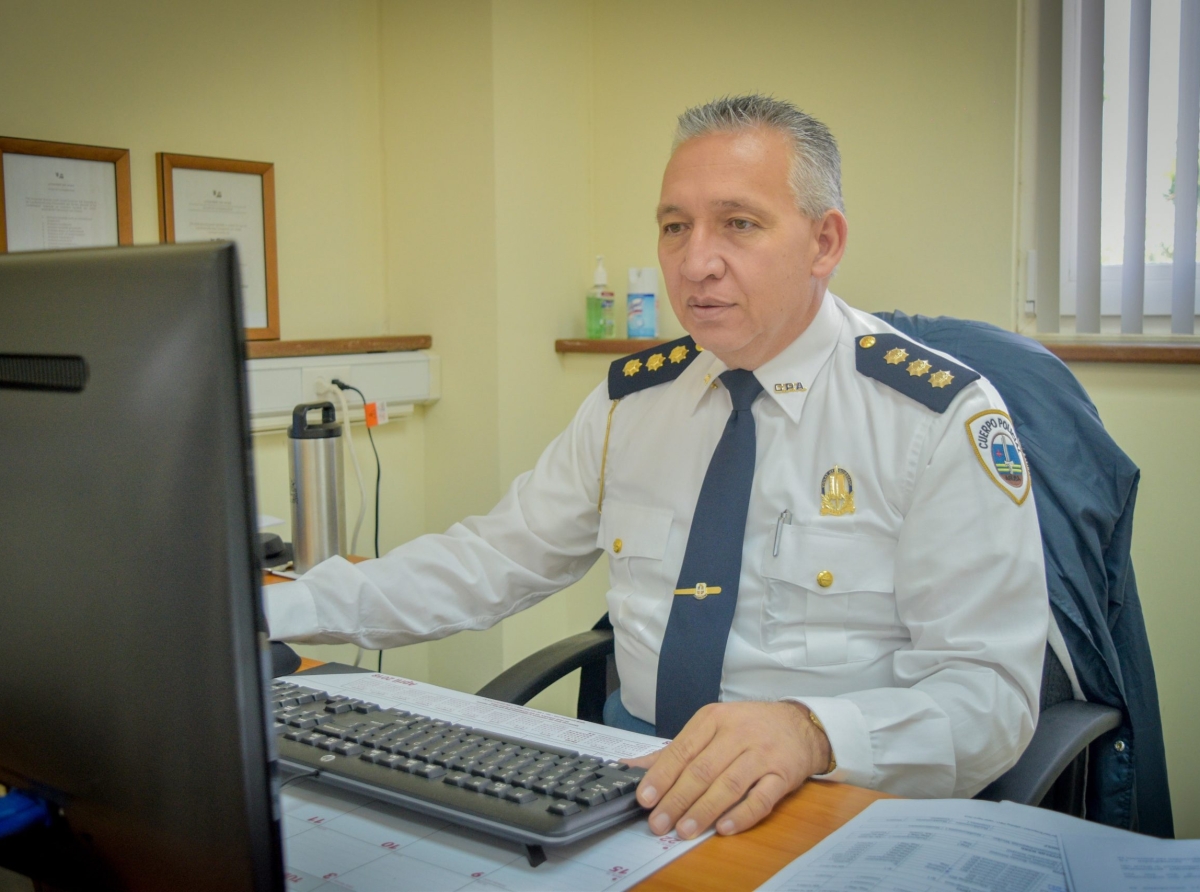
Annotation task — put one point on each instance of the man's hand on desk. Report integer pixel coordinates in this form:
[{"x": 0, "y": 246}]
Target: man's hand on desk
[{"x": 732, "y": 762}]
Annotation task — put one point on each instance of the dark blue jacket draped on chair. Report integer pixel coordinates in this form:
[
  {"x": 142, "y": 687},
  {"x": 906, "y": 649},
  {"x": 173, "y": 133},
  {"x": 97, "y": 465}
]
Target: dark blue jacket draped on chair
[{"x": 1085, "y": 489}]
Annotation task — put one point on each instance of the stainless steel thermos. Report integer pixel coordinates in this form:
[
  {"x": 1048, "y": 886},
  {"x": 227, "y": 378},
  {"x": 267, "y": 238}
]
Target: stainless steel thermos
[{"x": 318, "y": 492}]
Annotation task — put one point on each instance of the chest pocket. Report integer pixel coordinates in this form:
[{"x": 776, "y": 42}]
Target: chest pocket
[
  {"x": 635, "y": 539},
  {"x": 830, "y": 597}
]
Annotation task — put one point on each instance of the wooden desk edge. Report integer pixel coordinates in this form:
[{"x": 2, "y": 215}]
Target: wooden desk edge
[{"x": 748, "y": 860}]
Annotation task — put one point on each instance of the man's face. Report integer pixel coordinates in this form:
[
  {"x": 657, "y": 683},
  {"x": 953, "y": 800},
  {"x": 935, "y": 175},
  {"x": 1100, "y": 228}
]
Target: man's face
[{"x": 745, "y": 270}]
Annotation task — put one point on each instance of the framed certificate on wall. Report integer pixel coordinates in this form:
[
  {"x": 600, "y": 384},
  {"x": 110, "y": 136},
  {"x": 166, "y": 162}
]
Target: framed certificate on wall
[
  {"x": 219, "y": 199},
  {"x": 62, "y": 195}
]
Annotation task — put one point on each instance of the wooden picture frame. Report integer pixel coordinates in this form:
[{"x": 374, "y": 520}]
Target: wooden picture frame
[
  {"x": 44, "y": 206},
  {"x": 201, "y": 198}
]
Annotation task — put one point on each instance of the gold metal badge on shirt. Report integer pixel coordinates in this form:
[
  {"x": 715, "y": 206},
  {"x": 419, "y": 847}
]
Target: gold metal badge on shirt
[
  {"x": 790, "y": 387},
  {"x": 632, "y": 367},
  {"x": 837, "y": 492},
  {"x": 895, "y": 356}
]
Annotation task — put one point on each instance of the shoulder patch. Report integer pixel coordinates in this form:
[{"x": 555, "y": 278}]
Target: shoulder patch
[
  {"x": 906, "y": 366},
  {"x": 654, "y": 365},
  {"x": 994, "y": 439}
]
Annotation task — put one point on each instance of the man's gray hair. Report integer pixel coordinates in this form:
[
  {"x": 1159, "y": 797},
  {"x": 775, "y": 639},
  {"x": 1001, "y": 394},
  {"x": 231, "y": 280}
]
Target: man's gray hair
[{"x": 816, "y": 170}]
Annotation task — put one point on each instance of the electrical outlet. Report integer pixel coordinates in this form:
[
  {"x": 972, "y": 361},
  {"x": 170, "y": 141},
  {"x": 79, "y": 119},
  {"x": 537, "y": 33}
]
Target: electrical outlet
[{"x": 310, "y": 375}]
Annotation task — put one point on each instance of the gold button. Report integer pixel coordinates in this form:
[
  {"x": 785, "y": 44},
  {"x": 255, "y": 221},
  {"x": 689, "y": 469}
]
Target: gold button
[
  {"x": 707, "y": 378},
  {"x": 868, "y": 342},
  {"x": 824, "y": 579},
  {"x": 617, "y": 543}
]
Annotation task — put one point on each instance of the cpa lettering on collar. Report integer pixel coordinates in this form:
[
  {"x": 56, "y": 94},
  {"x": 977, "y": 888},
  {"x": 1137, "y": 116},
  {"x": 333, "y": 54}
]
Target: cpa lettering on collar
[{"x": 994, "y": 439}]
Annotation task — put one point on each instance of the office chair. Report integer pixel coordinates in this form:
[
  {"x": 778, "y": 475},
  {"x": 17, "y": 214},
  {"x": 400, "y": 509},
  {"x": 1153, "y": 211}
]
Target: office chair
[{"x": 1081, "y": 751}]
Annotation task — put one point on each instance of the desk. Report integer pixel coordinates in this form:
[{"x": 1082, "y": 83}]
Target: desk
[{"x": 749, "y": 859}]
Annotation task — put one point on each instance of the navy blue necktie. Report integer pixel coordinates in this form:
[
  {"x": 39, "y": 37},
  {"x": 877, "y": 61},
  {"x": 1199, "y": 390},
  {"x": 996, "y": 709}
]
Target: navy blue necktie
[{"x": 693, "y": 648}]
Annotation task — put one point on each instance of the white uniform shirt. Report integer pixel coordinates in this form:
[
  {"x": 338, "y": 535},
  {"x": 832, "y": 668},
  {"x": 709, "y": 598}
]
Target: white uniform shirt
[{"x": 922, "y": 657}]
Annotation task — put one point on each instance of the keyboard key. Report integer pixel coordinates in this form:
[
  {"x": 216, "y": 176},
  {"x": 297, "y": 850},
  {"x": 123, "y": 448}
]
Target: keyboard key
[
  {"x": 590, "y": 796},
  {"x": 338, "y": 708},
  {"x": 347, "y": 748},
  {"x": 409, "y": 765},
  {"x": 375, "y": 756},
  {"x": 329, "y": 743},
  {"x": 544, "y": 787},
  {"x": 302, "y": 722},
  {"x": 366, "y": 707},
  {"x": 476, "y": 784},
  {"x": 497, "y": 789},
  {"x": 456, "y": 778},
  {"x": 623, "y": 786},
  {"x": 429, "y": 771},
  {"x": 503, "y": 774},
  {"x": 564, "y": 809},
  {"x": 565, "y": 791},
  {"x": 519, "y": 796}
]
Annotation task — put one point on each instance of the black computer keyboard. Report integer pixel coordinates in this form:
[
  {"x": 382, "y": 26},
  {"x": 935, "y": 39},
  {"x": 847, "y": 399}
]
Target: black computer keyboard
[{"x": 517, "y": 789}]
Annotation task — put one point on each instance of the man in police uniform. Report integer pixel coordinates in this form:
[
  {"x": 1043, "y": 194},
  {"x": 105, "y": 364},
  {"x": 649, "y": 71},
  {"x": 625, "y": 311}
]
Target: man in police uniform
[{"x": 825, "y": 530}]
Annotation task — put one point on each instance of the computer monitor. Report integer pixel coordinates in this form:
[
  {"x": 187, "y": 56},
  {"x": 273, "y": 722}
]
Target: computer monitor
[{"x": 132, "y": 643}]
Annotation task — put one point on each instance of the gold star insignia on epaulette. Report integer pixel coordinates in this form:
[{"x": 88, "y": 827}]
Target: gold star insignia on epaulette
[
  {"x": 633, "y": 367},
  {"x": 895, "y": 356},
  {"x": 916, "y": 368},
  {"x": 679, "y": 354},
  {"x": 655, "y": 362},
  {"x": 940, "y": 379}
]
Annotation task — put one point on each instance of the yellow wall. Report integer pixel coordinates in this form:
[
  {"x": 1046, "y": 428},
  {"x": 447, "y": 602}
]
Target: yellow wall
[{"x": 452, "y": 167}]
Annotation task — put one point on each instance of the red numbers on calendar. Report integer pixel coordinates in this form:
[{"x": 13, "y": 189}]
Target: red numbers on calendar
[
  {"x": 316, "y": 819},
  {"x": 390, "y": 845}
]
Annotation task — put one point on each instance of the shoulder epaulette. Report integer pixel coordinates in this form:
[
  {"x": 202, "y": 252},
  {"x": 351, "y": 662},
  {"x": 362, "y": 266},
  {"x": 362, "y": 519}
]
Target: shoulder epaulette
[
  {"x": 654, "y": 365},
  {"x": 906, "y": 366}
]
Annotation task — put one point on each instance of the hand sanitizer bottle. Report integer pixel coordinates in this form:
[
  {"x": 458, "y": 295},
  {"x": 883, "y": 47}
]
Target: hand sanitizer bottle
[
  {"x": 600, "y": 322},
  {"x": 643, "y": 318}
]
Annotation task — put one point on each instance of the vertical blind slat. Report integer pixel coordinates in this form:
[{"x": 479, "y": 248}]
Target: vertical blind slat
[
  {"x": 1187, "y": 146},
  {"x": 1133, "y": 271},
  {"x": 1091, "y": 110}
]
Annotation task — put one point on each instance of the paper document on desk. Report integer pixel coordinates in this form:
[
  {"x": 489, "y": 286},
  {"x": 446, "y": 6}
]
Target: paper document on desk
[
  {"x": 489, "y": 715},
  {"x": 336, "y": 841},
  {"x": 1132, "y": 863},
  {"x": 945, "y": 845}
]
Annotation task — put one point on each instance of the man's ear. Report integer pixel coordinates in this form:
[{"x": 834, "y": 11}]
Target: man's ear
[{"x": 831, "y": 233}]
